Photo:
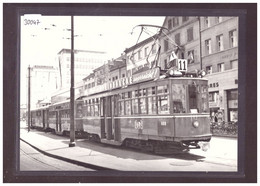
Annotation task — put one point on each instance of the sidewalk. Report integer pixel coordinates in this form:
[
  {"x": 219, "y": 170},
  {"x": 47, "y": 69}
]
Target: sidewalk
[{"x": 103, "y": 157}]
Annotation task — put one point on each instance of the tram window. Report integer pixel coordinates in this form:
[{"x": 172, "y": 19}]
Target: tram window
[
  {"x": 84, "y": 109},
  {"x": 135, "y": 106},
  {"x": 88, "y": 108},
  {"x": 128, "y": 107},
  {"x": 142, "y": 101},
  {"x": 151, "y": 103},
  {"x": 128, "y": 103},
  {"x": 129, "y": 95},
  {"x": 179, "y": 98},
  {"x": 192, "y": 97},
  {"x": 162, "y": 89},
  {"x": 163, "y": 104},
  {"x": 152, "y": 108},
  {"x": 101, "y": 107},
  {"x": 204, "y": 98},
  {"x": 96, "y": 112},
  {"x": 121, "y": 108},
  {"x": 92, "y": 110}
]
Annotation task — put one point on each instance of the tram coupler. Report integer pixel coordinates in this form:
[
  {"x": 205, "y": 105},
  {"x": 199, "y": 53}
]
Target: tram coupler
[{"x": 204, "y": 146}]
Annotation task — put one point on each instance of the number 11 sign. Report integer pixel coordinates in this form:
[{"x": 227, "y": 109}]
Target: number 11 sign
[{"x": 182, "y": 65}]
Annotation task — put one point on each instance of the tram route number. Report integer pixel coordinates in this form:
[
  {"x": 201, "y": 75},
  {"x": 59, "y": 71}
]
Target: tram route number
[
  {"x": 182, "y": 64},
  {"x": 139, "y": 124}
]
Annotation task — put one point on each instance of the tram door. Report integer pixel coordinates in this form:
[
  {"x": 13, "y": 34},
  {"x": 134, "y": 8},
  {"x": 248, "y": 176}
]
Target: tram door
[
  {"x": 43, "y": 118},
  {"x": 108, "y": 129},
  {"x": 59, "y": 121}
]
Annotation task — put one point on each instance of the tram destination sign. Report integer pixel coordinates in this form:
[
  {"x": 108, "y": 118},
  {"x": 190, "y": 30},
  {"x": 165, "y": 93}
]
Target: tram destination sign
[
  {"x": 146, "y": 75},
  {"x": 136, "y": 78}
]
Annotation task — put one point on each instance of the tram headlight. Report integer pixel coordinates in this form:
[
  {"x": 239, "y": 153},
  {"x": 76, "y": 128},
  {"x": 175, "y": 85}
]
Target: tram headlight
[{"x": 195, "y": 124}]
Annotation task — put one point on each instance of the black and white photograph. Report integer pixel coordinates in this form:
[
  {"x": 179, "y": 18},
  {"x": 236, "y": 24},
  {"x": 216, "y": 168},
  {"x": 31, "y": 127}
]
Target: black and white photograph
[{"x": 122, "y": 93}]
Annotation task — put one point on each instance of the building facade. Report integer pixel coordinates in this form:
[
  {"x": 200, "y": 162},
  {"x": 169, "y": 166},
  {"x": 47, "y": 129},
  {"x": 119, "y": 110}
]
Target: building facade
[
  {"x": 142, "y": 56},
  {"x": 84, "y": 63},
  {"x": 219, "y": 43},
  {"x": 183, "y": 33},
  {"x": 209, "y": 43},
  {"x": 43, "y": 83}
]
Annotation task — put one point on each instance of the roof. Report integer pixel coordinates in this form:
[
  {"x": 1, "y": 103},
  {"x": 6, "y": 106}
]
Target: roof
[
  {"x": 140, "y": 44},
  {"x": 64, "y": 50}
]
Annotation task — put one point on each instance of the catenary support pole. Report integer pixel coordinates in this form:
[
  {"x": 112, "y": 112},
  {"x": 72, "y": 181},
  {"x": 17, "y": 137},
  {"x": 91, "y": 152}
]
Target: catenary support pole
[
  {"x": 72, "y": 92},
  {"x": 29, "y": 98}
]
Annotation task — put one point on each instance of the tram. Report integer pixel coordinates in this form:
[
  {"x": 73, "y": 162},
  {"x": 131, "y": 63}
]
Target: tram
[
  {"x": 39, "y": 118},
  {"x": 168, "y": 114},
  {"x": 171, "y": 114},
  {"x": 59, "y": 118}
]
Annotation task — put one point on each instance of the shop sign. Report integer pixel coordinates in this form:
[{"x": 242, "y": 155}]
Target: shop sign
[{"x": 213, "y": 85}]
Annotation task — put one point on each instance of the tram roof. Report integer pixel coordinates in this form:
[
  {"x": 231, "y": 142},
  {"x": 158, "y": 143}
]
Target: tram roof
[{"x": 113, "y": 91}]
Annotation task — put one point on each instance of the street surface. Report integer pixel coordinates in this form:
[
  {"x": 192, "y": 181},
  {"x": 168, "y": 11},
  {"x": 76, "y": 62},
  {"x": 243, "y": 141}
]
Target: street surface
[
  {"x": 221, "y": 157},
  {"x": 32, "y": 160}
]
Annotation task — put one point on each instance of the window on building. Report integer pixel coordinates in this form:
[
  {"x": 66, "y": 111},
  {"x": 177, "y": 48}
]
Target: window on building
[
  {"x": 190, "y": 56},
  {"x": 178, "y": 39},
  {"x": 182, "y": 55},
  {"x": 220, "y": 43},
  {"x": 219, "y": 20},
  {"x": 233, "y": 38},
  {"x": 221, "y": 67},
  {"x": 146, "y": 51},
  {"x": 169, "y": 24},
  {"x": 166, "y": 45},
  {"x": 190, "y": 34},
  {"x": 209, "y": 69},
  {"x": 185, "y": 18},
  {"x": 139, "y": 54},
  {"x": 234, "y": 64},
  {"x": 208, "y": 49},
  {"x": 213, "y": 97},
  {"x": 165, "y": 64},
  {"x": 153, "y": 49},
  {"x": 175, "y": 21},
  {"x": 206, "y": 22}
]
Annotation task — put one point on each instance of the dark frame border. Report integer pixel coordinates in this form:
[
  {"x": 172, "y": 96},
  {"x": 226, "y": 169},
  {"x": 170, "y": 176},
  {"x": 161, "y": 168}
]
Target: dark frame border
[{"x": 247, "y": 169}]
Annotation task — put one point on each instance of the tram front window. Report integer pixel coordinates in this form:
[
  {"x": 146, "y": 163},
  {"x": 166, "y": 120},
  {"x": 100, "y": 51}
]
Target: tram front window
[
  {"x": 179, "y": 98},
  {"x": 192, "y": 98}
]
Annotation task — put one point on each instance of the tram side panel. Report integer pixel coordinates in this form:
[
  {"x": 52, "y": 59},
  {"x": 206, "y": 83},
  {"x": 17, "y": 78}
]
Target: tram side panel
[{"x": 192, "y": 127}]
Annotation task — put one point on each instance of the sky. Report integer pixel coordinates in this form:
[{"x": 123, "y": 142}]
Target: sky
[{"x": 41, "y": 42}]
